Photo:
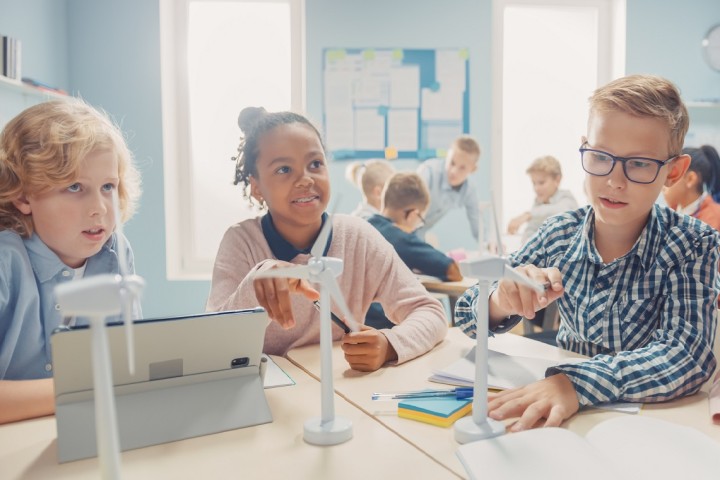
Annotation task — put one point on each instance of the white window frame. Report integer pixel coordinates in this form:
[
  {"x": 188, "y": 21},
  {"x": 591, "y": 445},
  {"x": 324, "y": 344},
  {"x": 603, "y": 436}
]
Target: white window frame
[
  {"x": 611, "y": 59},
  {"x": 181, "y": 263}
]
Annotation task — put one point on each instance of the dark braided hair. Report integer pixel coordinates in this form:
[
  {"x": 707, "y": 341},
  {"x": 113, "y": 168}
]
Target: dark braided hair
[
  {"x": 254, "y": 122},
  {"x": 705, "y": 162}
]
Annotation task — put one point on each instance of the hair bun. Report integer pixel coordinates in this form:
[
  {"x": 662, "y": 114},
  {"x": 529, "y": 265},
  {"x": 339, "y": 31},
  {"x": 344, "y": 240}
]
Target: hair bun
[{"x": 249, "y": 116}]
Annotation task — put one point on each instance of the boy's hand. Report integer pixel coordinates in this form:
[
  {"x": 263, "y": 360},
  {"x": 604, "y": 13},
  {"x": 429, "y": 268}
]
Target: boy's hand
[
  {"x": 517, "y": 222},
  {"x": 273, "y": 294},
  {"x": 512, "y": 298},
  {"x": 552, "y": 398},
  {"x": 367, "y": 350}
]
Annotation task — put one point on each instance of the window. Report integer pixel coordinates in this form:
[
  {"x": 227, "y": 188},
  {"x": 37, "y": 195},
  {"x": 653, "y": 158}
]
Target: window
[
  {"x": 549, "y": 56},
  {"x": 218, "y": 57}
]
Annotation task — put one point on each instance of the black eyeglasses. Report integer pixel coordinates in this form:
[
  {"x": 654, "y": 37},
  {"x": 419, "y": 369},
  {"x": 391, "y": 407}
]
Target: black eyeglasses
[
  {"x": 637, "y": 169},
  {"x": 411, "y": 210}
]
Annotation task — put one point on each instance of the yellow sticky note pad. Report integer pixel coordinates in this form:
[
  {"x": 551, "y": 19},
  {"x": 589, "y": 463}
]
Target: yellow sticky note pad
[
  {"x": 397, "y": 54},
  {"x": 441, "y": 412},
  {"x": 463, "y": 53},
  {"x": 391, "y": 153},
  {"x": 368, "y": 54}
]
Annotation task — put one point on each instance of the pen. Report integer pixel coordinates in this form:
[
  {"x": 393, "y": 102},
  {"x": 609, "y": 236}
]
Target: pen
[
  {"x": 458, "y": 393},
  {"x": 336, "y": 320}
]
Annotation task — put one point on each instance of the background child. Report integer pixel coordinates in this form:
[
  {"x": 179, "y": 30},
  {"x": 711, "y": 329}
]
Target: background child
[
  {"x": 282, "y": 160},
  {"x": 546, "y": 174},
  {"x": 405, "y": 198},
  {"x": 370, "y": 177},
  {"x": 59, "y": 164},
  {"x": 449, "y": 183},
  {"x": 693, "y": 194},
  {"x": 640, "y": 280}
]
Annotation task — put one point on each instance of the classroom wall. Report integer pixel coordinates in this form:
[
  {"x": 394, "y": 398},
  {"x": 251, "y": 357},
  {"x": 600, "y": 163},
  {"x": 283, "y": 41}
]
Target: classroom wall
[
  {"x": 42, "y": 28},
  {"x": 664, "y": 38},
  {"x": 108, "y": 52},
  {"x": 115, "y": 64},
  {"x": 407, "y": 24}
]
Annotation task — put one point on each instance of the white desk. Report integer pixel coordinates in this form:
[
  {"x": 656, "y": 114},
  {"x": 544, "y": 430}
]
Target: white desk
[
  {"x": 270, "y": 451},
  {"x": 438, "y": 442}
]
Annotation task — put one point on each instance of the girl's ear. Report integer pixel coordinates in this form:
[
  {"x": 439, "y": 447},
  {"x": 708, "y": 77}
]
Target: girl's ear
[
  {"x": 678, "y": 167},
  {"x": 255, "y": 189},
  {"x": 22, "y": 204}
]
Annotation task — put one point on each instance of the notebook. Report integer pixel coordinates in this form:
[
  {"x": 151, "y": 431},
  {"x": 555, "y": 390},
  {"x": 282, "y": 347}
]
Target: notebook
[
  {"x": 625, "y": 447},
  {"x": 194, "y": 375}
]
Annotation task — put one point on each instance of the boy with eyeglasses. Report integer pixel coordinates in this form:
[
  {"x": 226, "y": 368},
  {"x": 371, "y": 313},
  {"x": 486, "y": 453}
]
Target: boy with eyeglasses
[
  {"x": 404, "y": 199},
  {"x": 636, "y": 282}
]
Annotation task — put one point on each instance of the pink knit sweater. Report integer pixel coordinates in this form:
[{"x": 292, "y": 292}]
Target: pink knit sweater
[{"x": 372, "y": 272}]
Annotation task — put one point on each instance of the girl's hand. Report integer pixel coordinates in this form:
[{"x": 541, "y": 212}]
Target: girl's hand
[
  {"x": 513, "y": 298},
  {"x": 367, "y": 350},
  {"x": 273, "y": 294}
]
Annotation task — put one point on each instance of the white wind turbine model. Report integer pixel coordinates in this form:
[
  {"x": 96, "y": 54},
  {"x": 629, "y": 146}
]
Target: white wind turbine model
[
  {"x": 97, "y": 297},
  {"x": 487, "y": 268},
  {"x": 326, "y": 429}
]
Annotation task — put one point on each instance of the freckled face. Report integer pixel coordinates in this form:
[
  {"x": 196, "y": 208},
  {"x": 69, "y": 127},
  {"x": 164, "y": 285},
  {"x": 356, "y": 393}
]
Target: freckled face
[{"x": 76, "y": 220}]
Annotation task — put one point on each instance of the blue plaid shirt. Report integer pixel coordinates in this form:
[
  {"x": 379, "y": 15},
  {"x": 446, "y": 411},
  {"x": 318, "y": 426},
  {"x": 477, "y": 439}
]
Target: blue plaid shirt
[{"x": 647, "y": 319}]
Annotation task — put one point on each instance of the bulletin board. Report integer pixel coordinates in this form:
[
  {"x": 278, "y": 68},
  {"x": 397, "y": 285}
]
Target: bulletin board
[{"x": 394, "y": 103}]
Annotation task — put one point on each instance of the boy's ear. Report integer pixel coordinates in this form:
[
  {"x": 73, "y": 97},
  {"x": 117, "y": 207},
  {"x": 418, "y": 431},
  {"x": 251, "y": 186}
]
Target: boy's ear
[
  {"x": 475, "y": 165},
  {"x": 377, "y": 190},
  {"x": 22, "y": 204},
  {"x": 678, "y": 167}
]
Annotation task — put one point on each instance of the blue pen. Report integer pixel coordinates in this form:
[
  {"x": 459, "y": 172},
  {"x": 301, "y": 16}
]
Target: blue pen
[{"x": 458, "y": 393}]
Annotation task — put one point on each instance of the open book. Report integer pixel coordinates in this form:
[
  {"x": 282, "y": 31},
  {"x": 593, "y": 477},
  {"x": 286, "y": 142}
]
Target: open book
[
  {"x": 509, "y": 371},
  {"x": 504, "y": 371},
  {"x": 626, "y": 447}
]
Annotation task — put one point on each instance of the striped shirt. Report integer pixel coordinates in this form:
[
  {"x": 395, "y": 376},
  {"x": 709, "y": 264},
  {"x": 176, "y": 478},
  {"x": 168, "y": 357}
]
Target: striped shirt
[{"x": 647, "y": 319}]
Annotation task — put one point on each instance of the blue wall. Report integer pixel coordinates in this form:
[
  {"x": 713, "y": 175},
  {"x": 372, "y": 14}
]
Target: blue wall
[
  {"x": 42, "y": 28},
  {"x": 108, "y": 52}
]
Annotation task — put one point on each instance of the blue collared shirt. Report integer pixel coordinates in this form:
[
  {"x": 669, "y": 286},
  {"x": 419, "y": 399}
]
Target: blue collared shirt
[
  {"x": 281, "y": 248},
  {"x": 647, "y": 319},
  {"x": 444, "y": 197},
  {"x": 29, "y": 272}
]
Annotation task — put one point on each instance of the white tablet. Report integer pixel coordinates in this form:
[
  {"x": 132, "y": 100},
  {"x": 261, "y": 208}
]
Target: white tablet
[{"x": 194, "y": 375}]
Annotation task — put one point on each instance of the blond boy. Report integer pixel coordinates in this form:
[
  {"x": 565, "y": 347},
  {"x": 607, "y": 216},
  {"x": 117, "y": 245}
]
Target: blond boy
[
  {"x": 545, "y": 174},
  {"x": 635, "y": 282},
  {"x": 449, "y": 184}
]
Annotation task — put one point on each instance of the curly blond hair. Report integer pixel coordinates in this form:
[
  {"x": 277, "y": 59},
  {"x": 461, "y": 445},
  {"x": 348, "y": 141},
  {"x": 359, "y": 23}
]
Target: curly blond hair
[{"x": 43, "y": 148}]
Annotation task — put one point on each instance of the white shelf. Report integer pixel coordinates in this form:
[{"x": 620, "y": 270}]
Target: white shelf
[
  {"x": 18, "y": 86},
  {"x": 708, "y": 104}
]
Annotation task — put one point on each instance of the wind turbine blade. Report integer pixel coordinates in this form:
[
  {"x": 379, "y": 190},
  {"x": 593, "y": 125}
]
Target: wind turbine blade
[
  {"x": 300, "y": 271},
  {"x": 493, "y": 211},
  {"x": 318, "y": 247},
  {"x": 512, "y": 274},
  {"x": 127, "y": 301},
  {"x": 329, "y": 282}
]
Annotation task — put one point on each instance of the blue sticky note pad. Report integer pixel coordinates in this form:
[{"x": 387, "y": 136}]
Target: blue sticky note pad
[{"x": 439, "y": 407}]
